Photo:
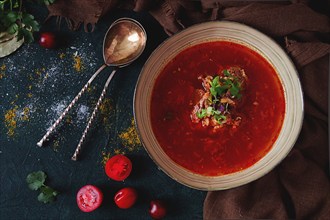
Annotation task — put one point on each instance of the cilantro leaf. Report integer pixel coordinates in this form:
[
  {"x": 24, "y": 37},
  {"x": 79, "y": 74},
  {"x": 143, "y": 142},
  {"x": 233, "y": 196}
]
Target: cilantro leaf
[
  {"x": 201, "y": 114},
  {"x": 220, "y": 118},
  {"x": 36, "y": 180},
  {"x": 222, "y": 89},
  {"x": 234, "y": 90},
  {"x": 214, "y": 85},
  {"x": 47, "y": 194},
  {"x": 226, "y": 72},
  {"x": 215, "y": 81},
  {"x": 213, "y": 91}
]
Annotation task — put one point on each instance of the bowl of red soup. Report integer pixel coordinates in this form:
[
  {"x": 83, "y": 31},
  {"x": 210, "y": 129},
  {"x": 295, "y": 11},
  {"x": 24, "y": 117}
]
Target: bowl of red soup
[{"x": 218, "y": 105}]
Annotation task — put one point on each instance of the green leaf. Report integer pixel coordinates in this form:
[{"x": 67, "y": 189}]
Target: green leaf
[
  {"x": 48, "y": 2},
  {"x": 28, "y": 35},
  {"x": 234, "y": 91},
  {"x": 12, "y": 29},
  {"x": 220, "y": 118},
  {"x": 20, "y": 34},
  {"x": 26, "y": 18},
  {"x": 201, "y": 114},
  {"x": 36, "y": 180},
  {"x": 214, "y": 85},
  {"x": 29, "y": 22},
  {"x": 213, "y": 91},
  {"x": 47, "y": 194},
  {"x": 215, "y": 81},
  {"x": 16, "y": 4},
  {"x": 222, "y": 89},
  {"x": 2, "y": 5},
  {"x": 226, "y": 72},
  {"x": 12, "y": 16}
]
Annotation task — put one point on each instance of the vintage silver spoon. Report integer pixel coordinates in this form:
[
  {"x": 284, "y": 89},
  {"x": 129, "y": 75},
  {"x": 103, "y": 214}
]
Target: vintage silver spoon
[{"x": 123, "y": 43}]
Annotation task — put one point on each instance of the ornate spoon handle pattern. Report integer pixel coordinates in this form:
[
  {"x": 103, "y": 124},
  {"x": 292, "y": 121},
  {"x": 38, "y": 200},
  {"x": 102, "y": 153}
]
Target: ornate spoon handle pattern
[
  {"x": 99, "y": 101},
  {"x": 68, "y": 108}
]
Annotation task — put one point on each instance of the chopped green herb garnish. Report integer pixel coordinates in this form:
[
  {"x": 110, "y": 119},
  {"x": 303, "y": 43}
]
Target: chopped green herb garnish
[
  {"x": 202, "y": 113},
  {"x": 220, "y": 118},
  {"x": 226, "y": 73},
  {"x": 223, "y": 89}
]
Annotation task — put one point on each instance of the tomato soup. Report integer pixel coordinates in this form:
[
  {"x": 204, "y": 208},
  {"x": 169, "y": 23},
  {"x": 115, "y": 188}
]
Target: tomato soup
[{"x": 205, "y": 150}]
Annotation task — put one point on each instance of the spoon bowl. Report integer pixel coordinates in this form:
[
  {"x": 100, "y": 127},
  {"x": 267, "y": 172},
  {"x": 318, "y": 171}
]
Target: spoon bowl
[{"x": 124, "y": 42}]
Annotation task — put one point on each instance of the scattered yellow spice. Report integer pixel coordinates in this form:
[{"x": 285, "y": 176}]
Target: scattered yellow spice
[
  {"x": 56, "y": 145},
  {"x": 105, "y": 111},
  {"x": 91, "y": 89},
  {"x": 77, "y": 63},
  {"x": 13, "y": 116},
  {"x": 105, "y": 157},
  {"x": 130, "y": 138},
  {"x": 26, "y": 113},
  {"x": 105, "y": 107},
  {"x": 10, "y": 121},
  {"x": 118, "y": 151},
  {"x": 62, "y": 55},
  {"x": 2, "y": 71},
  {"x": 38, "y": 72},
  {"x": 68, "y": 119}
]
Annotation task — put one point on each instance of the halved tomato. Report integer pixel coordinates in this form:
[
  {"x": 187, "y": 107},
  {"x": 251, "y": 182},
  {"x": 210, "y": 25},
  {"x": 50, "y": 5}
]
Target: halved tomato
[
  {"x": 89, "y": 198},
  {"x": 118, "y": 167}
]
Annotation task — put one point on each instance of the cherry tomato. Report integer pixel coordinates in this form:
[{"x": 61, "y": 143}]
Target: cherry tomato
[
  {"x": 89, "y": 198},
  {"x": 118, "y": 167},
  {"x": 157, "y": 209},
  {"x": 48, "y": 40},
  {"x": 126, "y": 197}
]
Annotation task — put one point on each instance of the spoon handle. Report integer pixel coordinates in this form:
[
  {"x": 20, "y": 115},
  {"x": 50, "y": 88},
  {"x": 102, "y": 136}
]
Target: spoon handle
[
  {"x": 99, "y": 101},
  {"x": 57, "y": 122}
]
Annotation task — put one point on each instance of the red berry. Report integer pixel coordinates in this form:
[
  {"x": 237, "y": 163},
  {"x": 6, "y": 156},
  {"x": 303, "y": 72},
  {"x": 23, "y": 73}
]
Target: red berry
[
  {"x": 47, "y": 40},
  {"x": 126, "y": 197},
  {"x": 89, "y": 198},
  {"x": 118, "y": 167},
  {"x": 157, "y": 209}
]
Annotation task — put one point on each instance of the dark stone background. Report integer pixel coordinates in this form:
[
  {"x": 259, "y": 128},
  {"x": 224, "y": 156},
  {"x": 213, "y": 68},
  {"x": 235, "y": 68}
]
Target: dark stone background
[{"x": 42, "y": 82}]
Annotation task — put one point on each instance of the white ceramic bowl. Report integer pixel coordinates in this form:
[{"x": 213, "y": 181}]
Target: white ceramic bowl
[{"x": 219, "y": 31}]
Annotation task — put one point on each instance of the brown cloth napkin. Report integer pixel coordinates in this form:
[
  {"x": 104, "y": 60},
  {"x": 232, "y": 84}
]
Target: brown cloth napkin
[{"x": 299, "y": 187}]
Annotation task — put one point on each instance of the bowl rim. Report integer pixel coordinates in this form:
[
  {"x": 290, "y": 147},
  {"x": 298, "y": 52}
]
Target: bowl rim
[{"x": 298, "y": 105}]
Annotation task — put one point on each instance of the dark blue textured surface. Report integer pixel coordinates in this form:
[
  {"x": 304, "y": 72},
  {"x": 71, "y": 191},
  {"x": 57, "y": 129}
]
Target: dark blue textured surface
[{"x": 44, "y": 96}]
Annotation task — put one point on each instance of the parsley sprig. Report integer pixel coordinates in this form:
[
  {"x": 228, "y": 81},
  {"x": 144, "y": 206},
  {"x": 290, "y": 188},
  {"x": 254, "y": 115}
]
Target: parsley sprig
[
  {"x": 14, "y": 20},
  {"x": 36, "y": 180}
]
